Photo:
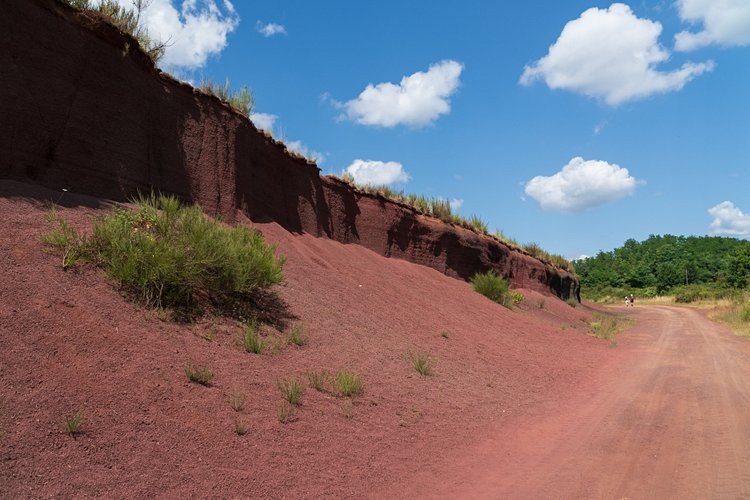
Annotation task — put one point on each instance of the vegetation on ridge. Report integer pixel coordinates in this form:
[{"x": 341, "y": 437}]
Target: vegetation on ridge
[{"x": 440, "y": 208}]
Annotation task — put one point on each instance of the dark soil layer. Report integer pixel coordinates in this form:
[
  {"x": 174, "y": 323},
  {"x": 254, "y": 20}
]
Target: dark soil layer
[
  {"x": 84, "y": 109},
  {"x": 71, "y": 342}
]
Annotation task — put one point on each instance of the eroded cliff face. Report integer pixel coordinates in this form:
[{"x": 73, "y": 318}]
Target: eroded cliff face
[{"x": 83, "y": 109}]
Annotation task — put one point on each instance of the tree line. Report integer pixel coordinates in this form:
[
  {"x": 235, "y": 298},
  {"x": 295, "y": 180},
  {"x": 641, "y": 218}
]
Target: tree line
[{"x": 663, "y": 264}]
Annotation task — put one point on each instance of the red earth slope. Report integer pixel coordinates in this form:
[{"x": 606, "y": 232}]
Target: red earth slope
[{"x": 71, "y": 342}]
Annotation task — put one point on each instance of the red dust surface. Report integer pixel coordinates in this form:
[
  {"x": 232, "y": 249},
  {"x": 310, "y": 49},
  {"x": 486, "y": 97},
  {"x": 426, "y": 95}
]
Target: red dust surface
[{"x": 71, "y": 342}]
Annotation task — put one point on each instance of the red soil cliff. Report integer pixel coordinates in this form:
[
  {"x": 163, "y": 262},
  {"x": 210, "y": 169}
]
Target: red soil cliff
[{"x": 83, "y": 109}]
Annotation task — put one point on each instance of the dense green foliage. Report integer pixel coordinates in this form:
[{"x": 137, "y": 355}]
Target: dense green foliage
[
  {"x": 687, "y": 266},
  {"x": 166, "y": 254}
]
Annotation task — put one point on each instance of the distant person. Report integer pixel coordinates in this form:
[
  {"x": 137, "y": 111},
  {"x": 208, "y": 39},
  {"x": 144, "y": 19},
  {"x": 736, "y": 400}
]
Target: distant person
[
  {"x": 627, "y": 300},
  {"x": 632, "y": 300}
]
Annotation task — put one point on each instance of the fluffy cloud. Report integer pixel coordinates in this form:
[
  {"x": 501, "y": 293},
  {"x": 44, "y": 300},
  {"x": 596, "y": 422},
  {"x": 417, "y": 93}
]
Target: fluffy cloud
[
  {"x": 263, "y": 121},
  {"x": 729, "y": 220},
  {"x": 725, "y": 22},
  {"x": 301, "y": 149},
  {"x": 610, "y": 54},
  {"x": 195, "y": 32},
  {"x": 377, "y": 173},
  {"x": 417, "y": 101},
  {"x": 270, "y": 29},
  {"x": 580, "y": 185},
  {"x": 456, "y": 203}
]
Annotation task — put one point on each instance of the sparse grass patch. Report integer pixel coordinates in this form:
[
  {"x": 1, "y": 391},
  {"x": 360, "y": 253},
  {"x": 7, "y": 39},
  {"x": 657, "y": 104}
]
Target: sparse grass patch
[
  {"x": 291, "y": 390},
  {"x": 572, "y": 302},
  {"x": 242, "y": 100},
  {"x": 198, "y": 374},
  {"x": 237, "y": 399},
  {"x": 239, "y": 427},
  {"x": 252, "y": 341},
  {"x": 297, "y": 335},
  {"x": 542, "y": 303},
  {"x": 73, "y": 423},
  {"x": 444, "y": 334},
  {"x": 320, "y": 381},
  {"x": 423, "y": 362},
  {"x": 63, "y": 238},
  {"x": 347, "y": 408},
  {"x": 491, "y": 286},
  {"x": 285, "y": 412},
  {"x": 607, "y": 326},
  {"x": 349, "y": 383}
]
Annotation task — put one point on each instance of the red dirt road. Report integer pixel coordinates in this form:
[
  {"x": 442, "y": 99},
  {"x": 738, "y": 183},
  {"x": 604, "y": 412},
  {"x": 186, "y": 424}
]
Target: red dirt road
[{"x": 673, "y": 422}]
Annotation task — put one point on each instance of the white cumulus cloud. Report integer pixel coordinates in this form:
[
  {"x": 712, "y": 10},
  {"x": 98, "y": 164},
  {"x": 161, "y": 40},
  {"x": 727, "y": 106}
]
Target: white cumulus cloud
[
  {"x": 193, "y": 29},
  {"x": 725, "y": 22},
  {"x": 299, "y": 148},
  {"x": 456, "y": 204},
  {"x": 377, "y": 173},
  {"x": 270, "y": 29},
  {"x": 729, "y": 220},
  {"x": 613, "y": 55},
  {"x": 418, "y": 100},
  {"x": 580, "y": 185},
  {"x": 263, "y": 121}
]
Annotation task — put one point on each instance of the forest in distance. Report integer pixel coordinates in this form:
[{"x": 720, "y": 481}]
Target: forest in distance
[{"x": 688, "y": 267}]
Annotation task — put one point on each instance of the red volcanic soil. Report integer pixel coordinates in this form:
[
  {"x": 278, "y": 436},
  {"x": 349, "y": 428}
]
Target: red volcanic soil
[{"x": 71, "y": 342}]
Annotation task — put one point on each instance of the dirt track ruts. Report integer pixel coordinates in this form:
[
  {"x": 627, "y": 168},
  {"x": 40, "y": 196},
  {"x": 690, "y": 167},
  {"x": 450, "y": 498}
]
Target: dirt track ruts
[{"x": 672, "y": 421}]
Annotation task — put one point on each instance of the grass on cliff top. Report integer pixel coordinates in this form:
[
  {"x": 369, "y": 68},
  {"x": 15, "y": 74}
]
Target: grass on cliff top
[
  {"x": 126, "y": 20},
  {"x": 167, "y": 254},
  {"x": 241, "y": 100},
  {"x": 440, "y": 208}
]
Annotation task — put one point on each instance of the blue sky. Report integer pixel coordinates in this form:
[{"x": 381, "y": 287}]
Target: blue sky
[{"x": 575, "y": 124}]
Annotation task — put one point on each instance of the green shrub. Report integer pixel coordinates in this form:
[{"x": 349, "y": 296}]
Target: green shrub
[
  {"x": 65, "y": 239},
  {"x": 491, "y": 286},
  {"x": 241, "y": 100},
  {"x": 745, "y": 314},
  {"x": 349, "y": 383},
  {"x": 291, "y": 389},
  {"x": 422, "y": 362},
  {"x": 517, "y": 298},
  {"x": 166, "y": 252}
]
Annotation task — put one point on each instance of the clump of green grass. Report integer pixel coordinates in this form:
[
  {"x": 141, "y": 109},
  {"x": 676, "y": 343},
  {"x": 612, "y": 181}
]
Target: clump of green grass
[
  {"x": 491, "y": 286},
  {"x": 517, "y": 298},
  {"x": 165, "y": 254},
  {"x": 241, "y": 100},
  {"x": 199, "y": 374},
  {"x": 320, "y": 380},
  {"x": 349, "y": 383},
  {"x": 478, "y": 224},
  {"x": 423, "y": 362},
  {"x": 73, "y": 423},
  {"x": 252, "y": 341},
  {"x": 63, "y": 238},
  {"x": 297, "y": 335},
  {"x": 291, "y": 389},
  {"x": 237, "y": 399}
]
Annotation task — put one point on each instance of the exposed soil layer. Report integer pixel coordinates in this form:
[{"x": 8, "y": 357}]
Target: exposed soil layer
[
  {"x": 85, "y": 110},
  {"x": 72, "y": 343}
]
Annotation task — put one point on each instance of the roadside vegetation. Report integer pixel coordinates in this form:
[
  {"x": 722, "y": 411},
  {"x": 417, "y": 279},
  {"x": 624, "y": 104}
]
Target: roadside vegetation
[
  {"x": 168, "y": 255},
  {"x": 607, "y": 326},
  {"x": 440, "y": 208},
  {"x": 735, "y": 313}
]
